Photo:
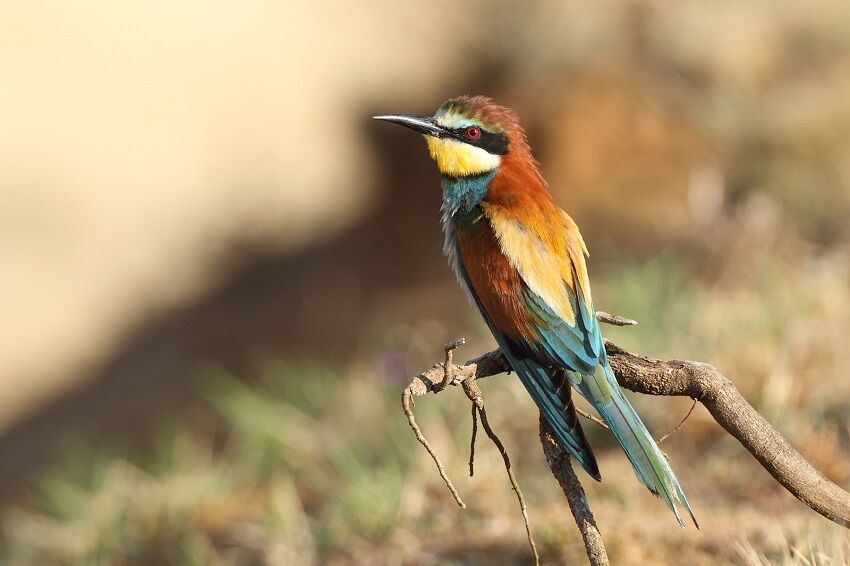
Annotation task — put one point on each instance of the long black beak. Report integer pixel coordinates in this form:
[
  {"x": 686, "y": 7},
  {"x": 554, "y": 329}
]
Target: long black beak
[{"x": 422, "y": 124}]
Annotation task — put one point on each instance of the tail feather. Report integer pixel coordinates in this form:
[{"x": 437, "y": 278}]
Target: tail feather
[
  {"x": 600, "y": 388},
  {"x": 649, "y": 464},
  {"x": 551, "y": 392}
]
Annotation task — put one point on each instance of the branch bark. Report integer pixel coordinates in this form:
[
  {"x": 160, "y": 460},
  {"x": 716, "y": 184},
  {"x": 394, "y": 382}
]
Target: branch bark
[
  {"x": 731, "y": 411},
  {"x": 562, "y": 469},
  {"x": 642, "y": 374}
]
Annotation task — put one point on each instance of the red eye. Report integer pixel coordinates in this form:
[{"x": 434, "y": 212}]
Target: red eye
[{"x": 473, "y": 133}]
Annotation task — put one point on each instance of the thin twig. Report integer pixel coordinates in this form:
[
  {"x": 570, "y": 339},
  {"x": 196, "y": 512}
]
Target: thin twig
[
  {"x": 511, "y": 476},
  {"x": 678, "y": 426},
  {"x": 593, "y": 418},
  {"x": 604, "y": 425},
  {"x": 406, "y": 398},
  {"x": 472, "y": 440},
  {"x": 614, "y": 319},
  {"x": 449, "y": 348},
  {"x": 470, "y": 387},
  {"x": 429, "y": 381}
]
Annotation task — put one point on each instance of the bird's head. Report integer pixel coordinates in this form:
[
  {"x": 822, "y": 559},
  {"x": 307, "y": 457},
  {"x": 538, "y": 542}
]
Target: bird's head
[{"x": 468, "y": 135}]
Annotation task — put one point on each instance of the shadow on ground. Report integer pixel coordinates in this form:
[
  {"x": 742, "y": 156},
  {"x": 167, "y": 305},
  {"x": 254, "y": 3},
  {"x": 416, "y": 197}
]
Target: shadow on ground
[{"x": 310, "y": 303}]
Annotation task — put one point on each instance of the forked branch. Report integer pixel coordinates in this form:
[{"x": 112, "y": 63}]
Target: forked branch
[{"x": 696, "y": 380}]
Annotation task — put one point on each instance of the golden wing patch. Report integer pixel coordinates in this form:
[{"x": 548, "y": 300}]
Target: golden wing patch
[
  {"x": 577, "y": 250},
  {"x": 548, "y": 265}
]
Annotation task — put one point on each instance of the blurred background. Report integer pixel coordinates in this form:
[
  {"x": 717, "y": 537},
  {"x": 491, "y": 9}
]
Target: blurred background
[{"x": 217, "y": 273}]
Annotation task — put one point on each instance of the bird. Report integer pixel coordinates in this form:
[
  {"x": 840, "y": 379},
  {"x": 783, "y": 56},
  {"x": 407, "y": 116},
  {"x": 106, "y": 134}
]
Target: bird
[{"x": 521, "y": 261}]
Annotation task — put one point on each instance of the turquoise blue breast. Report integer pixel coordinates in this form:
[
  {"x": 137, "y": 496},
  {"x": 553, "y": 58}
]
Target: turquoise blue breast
[{"x": 462, "y": 194}]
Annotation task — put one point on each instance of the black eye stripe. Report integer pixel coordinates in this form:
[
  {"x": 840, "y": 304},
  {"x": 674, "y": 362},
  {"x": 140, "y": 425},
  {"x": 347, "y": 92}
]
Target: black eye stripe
[{"x": 491, "y": 142}]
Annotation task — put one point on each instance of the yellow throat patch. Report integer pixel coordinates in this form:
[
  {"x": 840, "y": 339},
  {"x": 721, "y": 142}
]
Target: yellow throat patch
[{"x": 458, "y": 159}]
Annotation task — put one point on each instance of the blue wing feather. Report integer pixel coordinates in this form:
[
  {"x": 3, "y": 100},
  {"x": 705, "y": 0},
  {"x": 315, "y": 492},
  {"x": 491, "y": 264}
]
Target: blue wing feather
[
  {"x": 552, "y": 401},
  {"x": 577, "y": 347},
  {"x": 580, "y": 349}
]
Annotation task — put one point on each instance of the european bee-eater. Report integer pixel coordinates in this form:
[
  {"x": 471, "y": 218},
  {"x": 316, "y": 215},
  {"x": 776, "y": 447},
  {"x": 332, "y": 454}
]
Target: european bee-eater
[{"x": 521, "y": 261}]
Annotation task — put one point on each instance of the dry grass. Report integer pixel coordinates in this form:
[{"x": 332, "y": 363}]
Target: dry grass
[{"x": 318, "y": 465}]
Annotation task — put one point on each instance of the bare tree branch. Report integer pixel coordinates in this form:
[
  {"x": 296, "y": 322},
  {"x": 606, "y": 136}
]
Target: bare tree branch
[
  {"x": 697, "y": 380},
  {"x": 406, "y": 402},
  {"x": 731, "y": 411},
  {"x": 562, "y": 469}
]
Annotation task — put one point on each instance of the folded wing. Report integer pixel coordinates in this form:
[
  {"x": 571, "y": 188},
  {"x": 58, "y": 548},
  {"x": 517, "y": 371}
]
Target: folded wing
[{"x": 549, "y": 254}]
